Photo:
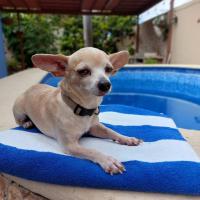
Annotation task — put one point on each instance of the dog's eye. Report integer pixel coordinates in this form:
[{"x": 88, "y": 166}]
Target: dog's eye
[
  {"x": 108, "y": 69},
  {"x": 84, "y": 72}
]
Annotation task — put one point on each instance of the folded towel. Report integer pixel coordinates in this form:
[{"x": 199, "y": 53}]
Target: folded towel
[{"x": 165, "y": 162}]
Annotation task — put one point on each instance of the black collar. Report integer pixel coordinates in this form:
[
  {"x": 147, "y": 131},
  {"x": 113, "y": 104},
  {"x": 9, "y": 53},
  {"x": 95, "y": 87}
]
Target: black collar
[{"x": 79, "y": 110}]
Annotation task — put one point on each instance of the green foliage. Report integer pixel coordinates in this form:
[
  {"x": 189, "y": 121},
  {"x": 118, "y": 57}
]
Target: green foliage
[
  {"x": 150, "y": 61},
  {"x": 64, "y": 34},
  {"x": 108, "y": 30},
  {"x": 37, "y": 34},
  {"x": 72, "y": 38},
  {"x": 131, "y": 49},
  {"x": 13, "y": 65}
]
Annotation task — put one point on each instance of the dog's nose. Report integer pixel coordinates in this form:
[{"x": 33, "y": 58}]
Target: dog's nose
[{"x": 104, "y": 85}]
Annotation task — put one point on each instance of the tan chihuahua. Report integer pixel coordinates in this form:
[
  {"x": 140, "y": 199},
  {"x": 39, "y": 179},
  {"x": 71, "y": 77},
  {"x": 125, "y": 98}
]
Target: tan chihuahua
[{"x": 67, "y": 112}]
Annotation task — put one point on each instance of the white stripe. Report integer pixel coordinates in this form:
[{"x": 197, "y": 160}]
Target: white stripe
[
  {"x": 122, "y": 119},
  {"x": 159, "y": 151},
  {"x": 29, "y": 141}
]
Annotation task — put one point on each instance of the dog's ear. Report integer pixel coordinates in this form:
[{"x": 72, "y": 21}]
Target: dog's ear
[
  {"x": 118, "y": 60},
  {"x": 56, "y": 64}
]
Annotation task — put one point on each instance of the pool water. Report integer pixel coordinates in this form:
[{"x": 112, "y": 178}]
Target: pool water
[
  {"x": 185, "y": 114},
  {"x": 168, "y": 90}
]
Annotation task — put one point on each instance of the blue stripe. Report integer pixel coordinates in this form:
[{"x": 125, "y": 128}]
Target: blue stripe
[
  {"x": 30, "y": 130},
  {"x": 146, "y": 133},
  {"x": 167, "y": 177}
]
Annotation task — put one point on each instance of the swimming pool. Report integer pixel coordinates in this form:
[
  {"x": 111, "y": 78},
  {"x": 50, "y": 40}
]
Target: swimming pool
[{"x": 174, "y": 91}]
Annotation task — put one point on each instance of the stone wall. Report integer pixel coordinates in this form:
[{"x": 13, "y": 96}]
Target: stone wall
[{"x": 10, "y": 190}]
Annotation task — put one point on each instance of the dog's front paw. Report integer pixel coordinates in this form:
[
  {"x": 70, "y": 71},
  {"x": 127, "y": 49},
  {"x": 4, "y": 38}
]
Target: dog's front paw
[
  {"x": 111, "y": 165},
  {"x": 130, "y": 141}
]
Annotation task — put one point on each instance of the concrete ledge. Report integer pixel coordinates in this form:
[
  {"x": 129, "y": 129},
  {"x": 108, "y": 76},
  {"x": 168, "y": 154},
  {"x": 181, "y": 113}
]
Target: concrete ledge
[
  {"x": 11, "y": 87},
  {"x": 165, "y": 65}
]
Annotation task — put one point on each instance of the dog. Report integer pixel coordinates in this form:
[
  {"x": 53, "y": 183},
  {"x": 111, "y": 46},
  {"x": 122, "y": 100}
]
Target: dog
[{"x": 67, "y": 112}]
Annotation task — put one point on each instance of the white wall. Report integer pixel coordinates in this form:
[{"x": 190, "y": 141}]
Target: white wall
[{"x": 186, "y": 35}]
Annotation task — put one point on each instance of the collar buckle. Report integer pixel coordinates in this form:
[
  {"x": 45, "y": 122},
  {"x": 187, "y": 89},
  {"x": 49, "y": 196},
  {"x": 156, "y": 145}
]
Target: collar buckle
[{"x": 79, "y": 110}]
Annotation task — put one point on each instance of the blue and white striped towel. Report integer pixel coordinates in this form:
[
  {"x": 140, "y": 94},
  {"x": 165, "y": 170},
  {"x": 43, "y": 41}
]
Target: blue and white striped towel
[{"x": 165, "y": 162}]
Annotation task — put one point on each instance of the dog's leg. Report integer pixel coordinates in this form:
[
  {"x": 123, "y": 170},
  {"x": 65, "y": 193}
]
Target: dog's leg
[
  {"x": 99, "y": 130},
  {"x": 20, "y": 116},
  {"x": 108, "y": 163}
]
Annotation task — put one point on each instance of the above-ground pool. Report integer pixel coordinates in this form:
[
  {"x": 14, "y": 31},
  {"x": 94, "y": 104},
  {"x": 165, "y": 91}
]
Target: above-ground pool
[
  {"x": 174, "y": 91},
  {"x": 169, "y": 90}
]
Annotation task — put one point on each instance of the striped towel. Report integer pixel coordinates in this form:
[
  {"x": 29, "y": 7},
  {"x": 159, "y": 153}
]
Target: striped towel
[{"x": 165, "y": 162}]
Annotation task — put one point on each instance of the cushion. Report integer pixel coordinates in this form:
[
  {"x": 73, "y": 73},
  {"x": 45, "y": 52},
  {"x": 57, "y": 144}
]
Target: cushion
[{"x": 165, "y": 162}]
